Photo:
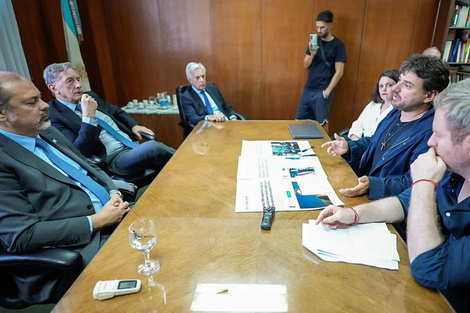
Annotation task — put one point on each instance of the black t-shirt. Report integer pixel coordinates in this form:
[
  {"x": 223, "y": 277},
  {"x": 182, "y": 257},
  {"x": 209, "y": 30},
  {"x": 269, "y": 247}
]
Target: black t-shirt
[{"x": 320, "y": 74}]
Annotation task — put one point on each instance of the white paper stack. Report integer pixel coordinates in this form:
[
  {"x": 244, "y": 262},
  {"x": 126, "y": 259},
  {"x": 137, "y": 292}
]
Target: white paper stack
[
  {"x": 369, "y": 244},
  {"x": 285, "y": 174}
]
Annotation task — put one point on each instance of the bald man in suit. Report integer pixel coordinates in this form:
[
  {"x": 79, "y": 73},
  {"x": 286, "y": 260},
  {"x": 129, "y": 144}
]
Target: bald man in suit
[{"x": 44, "y": 206}]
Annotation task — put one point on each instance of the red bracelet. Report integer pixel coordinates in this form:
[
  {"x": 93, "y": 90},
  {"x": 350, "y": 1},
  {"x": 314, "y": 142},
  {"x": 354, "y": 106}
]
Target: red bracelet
[
  {"x": 424, "y": 179},
  {"x": 356, "y": 216}
]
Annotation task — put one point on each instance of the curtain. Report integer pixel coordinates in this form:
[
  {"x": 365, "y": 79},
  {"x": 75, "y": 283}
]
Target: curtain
[{"x": 12, "y": 56}]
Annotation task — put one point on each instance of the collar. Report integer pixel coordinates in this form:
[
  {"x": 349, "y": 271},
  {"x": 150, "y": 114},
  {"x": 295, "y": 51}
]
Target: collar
[
  {"x": 70, "y": 105},
  {"x": 25, "y": 141},
  {"x": 197, "y": 90}
]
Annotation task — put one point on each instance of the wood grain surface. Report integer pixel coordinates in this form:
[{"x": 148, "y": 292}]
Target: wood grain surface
[{"x": 202, "y": 240}]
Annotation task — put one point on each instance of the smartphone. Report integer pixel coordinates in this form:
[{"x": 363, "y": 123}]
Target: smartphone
[{"x": 314, "y": 41}]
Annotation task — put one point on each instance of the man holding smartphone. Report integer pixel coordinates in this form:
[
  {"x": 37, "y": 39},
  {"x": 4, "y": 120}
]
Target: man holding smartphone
[{"x": 325, "y": 63}]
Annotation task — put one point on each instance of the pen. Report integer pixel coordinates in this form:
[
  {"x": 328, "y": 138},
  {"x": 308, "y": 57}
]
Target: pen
[
  {"x": 300, "y": 156},
  {"x": 311, "y": 147}
]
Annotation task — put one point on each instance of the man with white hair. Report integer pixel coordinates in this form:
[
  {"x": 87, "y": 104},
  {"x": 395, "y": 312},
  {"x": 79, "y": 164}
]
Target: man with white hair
[{"x": 203, "y": 101}]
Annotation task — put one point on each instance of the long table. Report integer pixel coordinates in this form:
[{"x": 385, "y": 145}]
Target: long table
[{"x": 201, "y": 240}]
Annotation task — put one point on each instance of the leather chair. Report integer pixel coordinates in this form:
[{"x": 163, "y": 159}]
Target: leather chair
[
  {"x": 187, "y": 127},
  {"x": 67, "y": 263}
]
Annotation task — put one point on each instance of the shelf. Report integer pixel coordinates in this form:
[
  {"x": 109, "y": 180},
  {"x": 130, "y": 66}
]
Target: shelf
[{"x": 459, "y": 28}]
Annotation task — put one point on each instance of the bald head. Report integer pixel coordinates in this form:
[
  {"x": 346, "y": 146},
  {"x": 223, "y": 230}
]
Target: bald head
[
  {"x": 432, "y": 52},
  {"x": 6, "y": 78},
  {"x": 22, "y": 111}
]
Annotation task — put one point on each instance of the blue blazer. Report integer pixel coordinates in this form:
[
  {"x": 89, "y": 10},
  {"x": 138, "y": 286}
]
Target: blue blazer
[
  {"x": 194, "y": 108},
  {"x": 85, "y": 137},
  {"x": 390, "y": 176}
]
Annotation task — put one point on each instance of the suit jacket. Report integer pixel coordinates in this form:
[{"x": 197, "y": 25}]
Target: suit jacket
[
  {"x": 41, "y": 207},
  {"x": 84, "y": 136},
  {"x": 390, "y": 176},
  {"x": 195, "y": 109}
]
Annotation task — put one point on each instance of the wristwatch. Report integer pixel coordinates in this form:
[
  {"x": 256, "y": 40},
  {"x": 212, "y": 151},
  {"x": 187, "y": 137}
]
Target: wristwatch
[{"x": 113, "y": 192}]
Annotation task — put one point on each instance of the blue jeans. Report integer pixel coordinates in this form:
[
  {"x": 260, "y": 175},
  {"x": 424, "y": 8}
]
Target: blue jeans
[
  {"x": 312, "y": 106},
  {"x": 150, "y": 154}
]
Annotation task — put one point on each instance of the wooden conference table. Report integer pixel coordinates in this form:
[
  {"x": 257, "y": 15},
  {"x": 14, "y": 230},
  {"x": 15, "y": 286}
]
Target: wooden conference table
[{"x": 202, "y": 240}]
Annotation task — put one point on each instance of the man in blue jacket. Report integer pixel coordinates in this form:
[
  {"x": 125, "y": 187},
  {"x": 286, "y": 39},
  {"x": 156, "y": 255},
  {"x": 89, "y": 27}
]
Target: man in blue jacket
[
  {"x": 382, "y": 161},
  {"x": 437, "y": 206}
]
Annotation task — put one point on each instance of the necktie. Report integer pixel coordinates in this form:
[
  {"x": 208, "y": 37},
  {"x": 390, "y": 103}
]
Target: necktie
[
  {"x": 116, "y": 134},
  {"x": 113, "y": 132},
  {"x": 73, "y": 172},
  {"x": 206, "y": 101}
]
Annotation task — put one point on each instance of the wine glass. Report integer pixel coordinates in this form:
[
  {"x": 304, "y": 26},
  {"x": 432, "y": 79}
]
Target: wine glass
[
  {"x": 152, "y": 101},
  {"x": 143, "y": 237}
]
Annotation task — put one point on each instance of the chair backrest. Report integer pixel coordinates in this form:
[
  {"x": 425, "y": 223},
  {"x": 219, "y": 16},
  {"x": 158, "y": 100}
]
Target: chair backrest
[
  {"x": 184, "y": 121},
  {"x": 179, "y": 93}
]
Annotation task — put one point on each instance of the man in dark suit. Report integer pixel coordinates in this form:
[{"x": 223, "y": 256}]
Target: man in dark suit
[
  {"x": 97, "y": 127},
  {"x": 44, "y": 204},
  {"x": 204, "y": 101}
]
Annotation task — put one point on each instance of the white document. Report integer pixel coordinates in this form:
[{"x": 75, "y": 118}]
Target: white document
[
  {"x": 369, "y": 244},
  {"x": 276, "y": 148},
  {"x": 284, "y": 174},
  {"x": 240, "y": 298}
]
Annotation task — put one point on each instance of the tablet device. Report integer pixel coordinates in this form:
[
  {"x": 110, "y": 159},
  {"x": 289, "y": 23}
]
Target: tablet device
[{"x": 304, "y": 131}]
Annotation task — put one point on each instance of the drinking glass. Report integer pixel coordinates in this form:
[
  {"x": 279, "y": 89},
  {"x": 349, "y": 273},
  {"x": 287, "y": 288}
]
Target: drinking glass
[
  {"x": 152, "y": 101},
  {"x": 143, "y": 237}
]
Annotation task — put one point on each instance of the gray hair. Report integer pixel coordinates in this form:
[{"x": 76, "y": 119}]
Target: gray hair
[
  {"x": 191, "y": 67},
  {"x": 455, "y": 101},
  {"x": 5, "y": 96},
  {"x": 51, "y": 73}
]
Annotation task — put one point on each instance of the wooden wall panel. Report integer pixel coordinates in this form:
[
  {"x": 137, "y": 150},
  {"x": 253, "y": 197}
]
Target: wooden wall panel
[
  {"x": 285, "y": 33},
  {"x": 252, "y": 49},
  {"x": 135, "y": 36},
  {"x": 96, "y": 51},
  {"x": 236, "y": 46},
  {"x": 386, "y": 44},
  {"x": 426, "y": 14},
  {"x": 186, "y": 36}
]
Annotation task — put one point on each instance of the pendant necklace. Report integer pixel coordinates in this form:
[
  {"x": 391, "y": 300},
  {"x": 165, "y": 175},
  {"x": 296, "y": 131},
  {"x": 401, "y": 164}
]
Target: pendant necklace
[{"x": 390, "y": 135}]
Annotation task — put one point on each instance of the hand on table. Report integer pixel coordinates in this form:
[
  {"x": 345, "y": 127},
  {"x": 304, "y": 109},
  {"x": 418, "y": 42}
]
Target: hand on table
[{"x": 333, "y": 216}]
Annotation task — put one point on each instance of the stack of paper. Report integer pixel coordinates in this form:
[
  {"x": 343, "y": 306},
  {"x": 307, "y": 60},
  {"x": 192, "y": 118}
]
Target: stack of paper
[
  {"x": 286, "y": 175},
  {"x": 368, "y": 244}
]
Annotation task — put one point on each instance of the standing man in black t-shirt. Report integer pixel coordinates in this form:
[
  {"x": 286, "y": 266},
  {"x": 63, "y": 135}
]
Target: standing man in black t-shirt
[{"x": 326, "y": 65}]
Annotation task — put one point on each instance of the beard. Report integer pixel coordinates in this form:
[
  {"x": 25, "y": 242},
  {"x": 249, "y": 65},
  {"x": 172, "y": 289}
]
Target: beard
[{"x": 43, "y": 125}]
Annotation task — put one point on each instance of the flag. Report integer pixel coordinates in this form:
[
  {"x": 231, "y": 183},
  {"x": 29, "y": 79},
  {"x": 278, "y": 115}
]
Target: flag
[{"x": 73, "y": 36}]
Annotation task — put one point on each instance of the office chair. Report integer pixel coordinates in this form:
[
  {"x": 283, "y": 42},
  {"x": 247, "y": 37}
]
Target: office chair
[
  {"x": 187, "y": 127},
  {"x": 67, "y": 263},
  {"x": 342, "y": 133}
]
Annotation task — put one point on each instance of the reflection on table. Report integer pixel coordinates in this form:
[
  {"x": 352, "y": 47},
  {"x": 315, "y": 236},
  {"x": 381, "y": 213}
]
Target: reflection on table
[{"x": 210, "y": 254}]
